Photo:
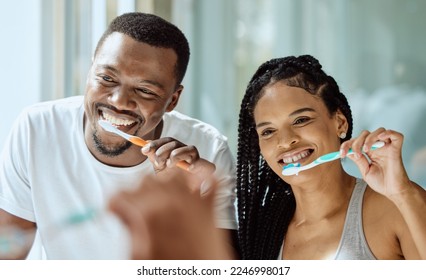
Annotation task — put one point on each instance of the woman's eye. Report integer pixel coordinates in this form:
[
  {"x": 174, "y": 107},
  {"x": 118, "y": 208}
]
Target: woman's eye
[
  {"x": 301, "y": 120},
  {"x": 266, "y": 132}
]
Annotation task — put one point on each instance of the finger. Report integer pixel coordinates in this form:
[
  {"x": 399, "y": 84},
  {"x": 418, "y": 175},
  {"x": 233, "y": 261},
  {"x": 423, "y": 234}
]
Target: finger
[
  {"x": 358, "y": 144},
  {"x": 164, "y": 152},
  {"x": 372, "y": 138},
  {"x": 202, "y": 166},
  {"x": 344, "y": 147},
  {"x": 361, "y": 162},
  {"x": 188, "y": 154},
  {"x": 149, "y": 151},
  {"x": 391, "y": 136}
]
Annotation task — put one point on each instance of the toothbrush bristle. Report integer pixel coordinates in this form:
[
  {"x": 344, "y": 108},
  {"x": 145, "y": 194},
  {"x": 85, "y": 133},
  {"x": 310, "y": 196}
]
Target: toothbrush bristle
[
  {"x": 290, "y": 165},
  {"x": 107, "y": 125},
  {"x": 291, "y": 169}
]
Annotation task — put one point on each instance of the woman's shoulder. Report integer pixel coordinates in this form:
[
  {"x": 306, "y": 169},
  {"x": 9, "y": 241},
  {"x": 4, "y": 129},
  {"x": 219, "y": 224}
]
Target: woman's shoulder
[{"x": 382, "y": 223}]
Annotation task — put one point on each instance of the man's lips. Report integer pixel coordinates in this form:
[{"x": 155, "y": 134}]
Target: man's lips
[
  {"x": 117, "y": 120},
  {"x": 124, "y": 122}
]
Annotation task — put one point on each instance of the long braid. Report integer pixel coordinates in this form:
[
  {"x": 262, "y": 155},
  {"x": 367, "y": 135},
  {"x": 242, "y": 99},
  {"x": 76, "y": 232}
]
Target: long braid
[{"x": 266, "y": 203}]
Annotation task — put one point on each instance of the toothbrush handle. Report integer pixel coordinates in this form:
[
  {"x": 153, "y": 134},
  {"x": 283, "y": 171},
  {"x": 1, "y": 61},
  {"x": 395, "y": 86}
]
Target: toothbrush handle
[
  {"x": 327, "y": 157},
  {"x": 375, "y": 146}
]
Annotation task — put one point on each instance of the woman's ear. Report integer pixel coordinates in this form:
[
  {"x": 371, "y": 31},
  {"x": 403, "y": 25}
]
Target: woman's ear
[{"x": 341, "y": 123}]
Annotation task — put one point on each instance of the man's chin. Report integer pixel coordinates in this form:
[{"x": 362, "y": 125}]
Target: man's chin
[{"x": 109, "y": 150}]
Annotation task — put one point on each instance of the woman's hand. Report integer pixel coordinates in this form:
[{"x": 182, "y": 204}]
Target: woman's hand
[{"x": 384, "y": 171}]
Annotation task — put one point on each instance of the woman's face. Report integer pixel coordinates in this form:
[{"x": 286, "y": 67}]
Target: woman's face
[{"x": 295, "y": 126}]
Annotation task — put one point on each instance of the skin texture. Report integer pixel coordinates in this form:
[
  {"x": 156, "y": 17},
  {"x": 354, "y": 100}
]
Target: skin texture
[{"x": 289, "y": 121}]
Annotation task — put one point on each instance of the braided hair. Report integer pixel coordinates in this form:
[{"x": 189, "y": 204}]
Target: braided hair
[{"x": 266, "y": 204}]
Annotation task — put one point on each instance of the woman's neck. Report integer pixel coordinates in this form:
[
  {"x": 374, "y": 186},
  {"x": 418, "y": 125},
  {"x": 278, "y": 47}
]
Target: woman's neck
[{"x": 323, "y": 196}]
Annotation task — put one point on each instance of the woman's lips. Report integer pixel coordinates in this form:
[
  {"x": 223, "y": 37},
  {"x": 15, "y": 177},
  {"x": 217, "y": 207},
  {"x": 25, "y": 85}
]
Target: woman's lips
[{"x": 294, "y": 157}]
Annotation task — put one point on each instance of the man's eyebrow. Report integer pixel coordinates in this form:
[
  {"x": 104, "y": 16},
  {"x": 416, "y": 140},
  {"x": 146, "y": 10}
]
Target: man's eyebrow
[
  {"x": 297, "y": 112},
  {"x": 154, "y": 83},
  {"x": 108, "y": 67}
]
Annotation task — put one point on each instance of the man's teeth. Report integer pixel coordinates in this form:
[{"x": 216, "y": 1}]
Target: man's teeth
[
  {"x": 297, "y": 157},
  {"x": 116, "y": 121}
]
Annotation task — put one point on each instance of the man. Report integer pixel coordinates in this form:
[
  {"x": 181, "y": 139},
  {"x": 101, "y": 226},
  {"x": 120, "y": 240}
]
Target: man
[{"x": 59, "y": 162}]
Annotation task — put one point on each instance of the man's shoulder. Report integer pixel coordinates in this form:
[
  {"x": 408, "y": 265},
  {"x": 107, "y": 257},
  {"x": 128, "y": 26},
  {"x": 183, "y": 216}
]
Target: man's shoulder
[
  {"x": 184, "y": 124},
  {"x": 61, "y": 106},
  {"x": 67, "y": 102}
]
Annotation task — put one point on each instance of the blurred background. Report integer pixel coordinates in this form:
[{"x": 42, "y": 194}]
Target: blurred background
[{"x": 375, "y": 49}]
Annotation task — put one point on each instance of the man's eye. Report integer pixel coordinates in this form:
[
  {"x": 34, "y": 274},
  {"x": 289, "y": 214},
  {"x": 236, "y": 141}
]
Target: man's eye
[
  {"x": 145, "y": 92},
  {"x": 107, "y": 78}
]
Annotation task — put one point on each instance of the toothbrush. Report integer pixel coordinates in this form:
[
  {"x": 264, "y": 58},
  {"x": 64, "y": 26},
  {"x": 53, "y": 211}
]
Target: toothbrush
[
  {"x": 295, "y": 168},
  {"x": 135, "y": 140},
  {"x": 14, "y": 240}
]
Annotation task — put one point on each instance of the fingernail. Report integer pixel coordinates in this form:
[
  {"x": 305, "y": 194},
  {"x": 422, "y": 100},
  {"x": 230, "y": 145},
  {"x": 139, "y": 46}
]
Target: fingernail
[
  {"x": 365, "y": 148},
  {"x": 341, "y": 152},
  {"x": 357, "y": 155},
  {"x": 145, "y": 149},
  {"x": 156, "y": 164}
]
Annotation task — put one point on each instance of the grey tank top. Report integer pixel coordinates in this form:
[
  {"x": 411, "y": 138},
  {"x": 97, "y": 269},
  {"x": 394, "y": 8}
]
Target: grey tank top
[{"x": 353, "y": 245}]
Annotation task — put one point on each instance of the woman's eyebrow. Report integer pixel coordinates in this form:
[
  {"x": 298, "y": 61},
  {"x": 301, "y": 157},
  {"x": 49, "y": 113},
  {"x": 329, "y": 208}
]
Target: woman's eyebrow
[
  {"x": 301, "y": 110},
  {"x": 297, "y": 112}
]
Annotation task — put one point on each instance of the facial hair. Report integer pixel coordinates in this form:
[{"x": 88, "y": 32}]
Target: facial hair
[{"x": 110, "y": 151}]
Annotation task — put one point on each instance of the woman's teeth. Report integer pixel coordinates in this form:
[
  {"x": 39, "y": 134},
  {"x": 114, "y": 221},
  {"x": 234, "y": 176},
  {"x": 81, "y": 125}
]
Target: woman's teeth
[
  {"x": 117, "y": 121},
  {"x": 296, "y": 158}
]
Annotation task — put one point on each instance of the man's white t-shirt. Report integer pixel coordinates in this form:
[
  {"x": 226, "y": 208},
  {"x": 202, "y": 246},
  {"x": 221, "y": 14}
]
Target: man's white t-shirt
[{"x": 47, "y": 174}]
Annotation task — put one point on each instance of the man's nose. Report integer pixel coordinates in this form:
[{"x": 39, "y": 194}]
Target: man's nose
[{"x": 122, "y": 99}]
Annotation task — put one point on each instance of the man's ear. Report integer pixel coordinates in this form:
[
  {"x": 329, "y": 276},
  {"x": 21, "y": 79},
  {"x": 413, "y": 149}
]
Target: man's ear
[{"x": 174, "y": 98}]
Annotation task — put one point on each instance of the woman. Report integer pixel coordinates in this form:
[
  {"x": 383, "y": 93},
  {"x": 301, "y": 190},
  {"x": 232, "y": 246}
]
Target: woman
[{"x": 293, "y": 112}]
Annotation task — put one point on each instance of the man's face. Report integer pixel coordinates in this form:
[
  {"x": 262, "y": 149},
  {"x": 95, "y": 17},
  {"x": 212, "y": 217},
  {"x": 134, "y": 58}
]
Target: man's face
[{"x": 130, "y": 84}]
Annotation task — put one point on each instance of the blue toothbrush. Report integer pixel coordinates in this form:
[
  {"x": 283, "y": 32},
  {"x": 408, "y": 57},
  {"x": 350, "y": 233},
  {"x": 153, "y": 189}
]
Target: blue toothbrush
[{"x": 295, "y": 168}]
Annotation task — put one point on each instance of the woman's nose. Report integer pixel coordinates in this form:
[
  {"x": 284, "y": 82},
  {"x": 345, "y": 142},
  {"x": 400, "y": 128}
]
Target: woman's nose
[{"x": 288, "y": 138}]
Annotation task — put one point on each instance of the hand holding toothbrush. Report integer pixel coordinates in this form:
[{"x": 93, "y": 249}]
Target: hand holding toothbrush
[
  {"x": 167, "y": 152},
  {"x": 385, "y": 172}
]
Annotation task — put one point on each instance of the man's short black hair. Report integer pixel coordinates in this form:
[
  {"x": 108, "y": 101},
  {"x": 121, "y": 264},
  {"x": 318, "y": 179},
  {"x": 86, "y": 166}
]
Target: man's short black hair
[{"x": 155, "y": 31}]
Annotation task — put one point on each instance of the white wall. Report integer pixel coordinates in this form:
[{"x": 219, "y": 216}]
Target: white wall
[{"x": 20, "y": 53}]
